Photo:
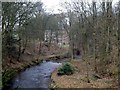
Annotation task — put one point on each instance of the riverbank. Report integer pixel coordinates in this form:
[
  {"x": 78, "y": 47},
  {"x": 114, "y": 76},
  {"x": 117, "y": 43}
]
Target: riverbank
[
  {"x": 31, "y": 55},
  {"x": 10, "y": 73},
  {"x": 79, "y": 78},
  {"x": 28, "y": 59}
]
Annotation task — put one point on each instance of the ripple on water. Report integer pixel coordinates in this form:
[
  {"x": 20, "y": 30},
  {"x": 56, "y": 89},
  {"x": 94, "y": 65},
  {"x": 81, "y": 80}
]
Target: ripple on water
[{"x": 36, "y": 76}]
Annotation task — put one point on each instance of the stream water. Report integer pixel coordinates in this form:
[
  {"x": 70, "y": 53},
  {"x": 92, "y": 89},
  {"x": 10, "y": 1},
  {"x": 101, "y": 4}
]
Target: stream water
[{"x": 36, "y": 76}]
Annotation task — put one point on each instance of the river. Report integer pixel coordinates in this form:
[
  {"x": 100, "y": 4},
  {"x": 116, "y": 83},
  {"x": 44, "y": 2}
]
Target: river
[{"x": 36, "y": 76}]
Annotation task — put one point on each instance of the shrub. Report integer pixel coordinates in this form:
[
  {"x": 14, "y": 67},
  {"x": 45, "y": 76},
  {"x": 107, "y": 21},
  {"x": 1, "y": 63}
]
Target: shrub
[
  {"x": 7, "y": 76},
  {"x": 66, "y": 69}
]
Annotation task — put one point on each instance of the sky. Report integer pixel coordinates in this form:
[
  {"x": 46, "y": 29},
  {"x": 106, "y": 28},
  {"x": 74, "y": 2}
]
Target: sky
[{"x": 54, "y": 5}]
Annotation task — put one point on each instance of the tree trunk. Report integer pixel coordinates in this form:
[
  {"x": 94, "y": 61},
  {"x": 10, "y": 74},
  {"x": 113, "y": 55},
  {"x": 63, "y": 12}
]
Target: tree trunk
[
  {"x": 50, "y": 40},
  {"x": 19, "y": 52},
  {"x": 94, "y": 34},
  {"x": 39, "y": 52},
  {"x": 25, "y": 45},
  {"x": 118, "y": 45}
]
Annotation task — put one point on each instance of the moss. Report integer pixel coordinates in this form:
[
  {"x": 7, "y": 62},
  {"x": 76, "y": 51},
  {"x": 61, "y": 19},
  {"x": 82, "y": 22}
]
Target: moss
[
  {"x": 7, "y": 76},
  {"x": 53, "y": 85},
  {"x": 93, "y": 78},
  {"x": 34, "y": 61},
  {"x": 115, "y": 74}
]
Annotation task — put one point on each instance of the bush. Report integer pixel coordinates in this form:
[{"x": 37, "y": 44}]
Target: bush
[
  {"x": 7, "y": 77},
  {"x": 66, "y": 69}
]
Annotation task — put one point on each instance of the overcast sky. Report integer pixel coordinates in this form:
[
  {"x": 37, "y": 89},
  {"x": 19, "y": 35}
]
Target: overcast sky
[
  {"x": 54, "y": 5},
  {"x": 51, "y": 5}
]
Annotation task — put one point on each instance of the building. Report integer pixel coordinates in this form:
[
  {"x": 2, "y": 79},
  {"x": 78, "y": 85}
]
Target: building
[{"x": 59, "y": 37}]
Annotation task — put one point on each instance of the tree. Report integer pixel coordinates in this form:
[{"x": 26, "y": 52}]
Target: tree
[
  {"x": 118, "y": 32},
  {"x": 14, "y": 17}
]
